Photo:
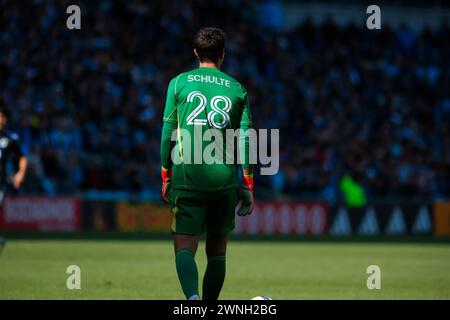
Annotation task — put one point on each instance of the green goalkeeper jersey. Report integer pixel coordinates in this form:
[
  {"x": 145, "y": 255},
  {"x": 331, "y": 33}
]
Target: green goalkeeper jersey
[{"x": 203, "y": 104}]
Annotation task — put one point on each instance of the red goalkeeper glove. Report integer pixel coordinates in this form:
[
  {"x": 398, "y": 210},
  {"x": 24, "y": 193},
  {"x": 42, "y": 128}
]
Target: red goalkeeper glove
[
  {"x": 246, "y": 196},
  {"x": 166, "y": 176}
]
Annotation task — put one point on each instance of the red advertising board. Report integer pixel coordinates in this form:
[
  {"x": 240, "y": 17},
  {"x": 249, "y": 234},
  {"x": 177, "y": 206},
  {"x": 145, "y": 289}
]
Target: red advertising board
[
  {"x": 285, "y": 218},
  {"x": 40, "y": 214}
]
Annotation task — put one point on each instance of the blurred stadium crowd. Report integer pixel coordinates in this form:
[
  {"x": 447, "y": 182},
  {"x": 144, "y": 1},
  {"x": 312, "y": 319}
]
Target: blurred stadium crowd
[{"x": 349, "y": 102}]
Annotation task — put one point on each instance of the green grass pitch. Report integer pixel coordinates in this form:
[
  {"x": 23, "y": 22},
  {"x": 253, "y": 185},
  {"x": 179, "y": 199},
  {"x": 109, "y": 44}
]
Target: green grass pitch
[{"x": 282, "y": 270}]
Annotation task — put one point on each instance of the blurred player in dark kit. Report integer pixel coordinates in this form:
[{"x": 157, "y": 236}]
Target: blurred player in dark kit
[{"x": 11, "y": 153}]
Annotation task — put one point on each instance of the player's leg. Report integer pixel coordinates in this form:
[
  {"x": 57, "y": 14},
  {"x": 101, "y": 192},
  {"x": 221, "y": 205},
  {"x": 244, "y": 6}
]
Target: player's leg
[
  {"x": 187, "y": 225},
  {"x": 2, "y": 239},
  {"x": 185, "y": 249},
  {"x": 2, "y": 243},
  {"x": 216, "y": 247},
  {"x": 6, "y": 189},
  {"x": 220, "y": 220}
]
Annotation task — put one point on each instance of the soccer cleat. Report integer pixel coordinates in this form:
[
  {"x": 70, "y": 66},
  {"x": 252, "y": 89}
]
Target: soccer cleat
[{"x": 262, "y": 298}]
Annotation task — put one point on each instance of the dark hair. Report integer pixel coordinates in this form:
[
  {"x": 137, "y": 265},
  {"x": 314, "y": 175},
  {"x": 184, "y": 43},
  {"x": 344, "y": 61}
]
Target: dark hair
[
  {"x": 210, "y": 43},
  {"x": 5, "y": 112}
]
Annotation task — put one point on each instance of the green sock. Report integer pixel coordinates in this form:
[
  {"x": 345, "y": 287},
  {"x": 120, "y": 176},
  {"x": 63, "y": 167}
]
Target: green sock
[
  {"x": 187, "y": 272},
  {"x": 214, "y": 277}
]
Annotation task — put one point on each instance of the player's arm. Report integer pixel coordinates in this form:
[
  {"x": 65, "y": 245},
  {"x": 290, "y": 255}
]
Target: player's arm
[
  {"x": 19, "y": 177},
  {"x": 170, "y": 124},
  {"x": 245, "y": 141}
]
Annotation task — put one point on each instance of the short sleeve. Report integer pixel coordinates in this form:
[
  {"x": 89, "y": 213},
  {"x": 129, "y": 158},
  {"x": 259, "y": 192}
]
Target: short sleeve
[
  {"x": 170, "y": 110},
  {"x": 246, "y": 119}
]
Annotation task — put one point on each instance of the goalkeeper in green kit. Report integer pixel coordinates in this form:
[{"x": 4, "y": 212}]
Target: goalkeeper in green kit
[{"x": 203, "y": 196}]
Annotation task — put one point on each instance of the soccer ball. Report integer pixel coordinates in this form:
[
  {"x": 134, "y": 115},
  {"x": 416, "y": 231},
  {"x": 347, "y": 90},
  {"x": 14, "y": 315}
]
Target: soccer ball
[{"x": 262, "y": 298}]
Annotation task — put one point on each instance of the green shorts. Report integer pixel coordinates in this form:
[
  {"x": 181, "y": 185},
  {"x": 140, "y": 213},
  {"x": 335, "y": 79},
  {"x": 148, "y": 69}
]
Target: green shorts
[{"x": 194, "y": 211}]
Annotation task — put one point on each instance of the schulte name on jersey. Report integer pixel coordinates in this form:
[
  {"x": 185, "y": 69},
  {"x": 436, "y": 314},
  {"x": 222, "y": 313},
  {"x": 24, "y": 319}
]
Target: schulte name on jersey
[{"x": 208, "y": 79}]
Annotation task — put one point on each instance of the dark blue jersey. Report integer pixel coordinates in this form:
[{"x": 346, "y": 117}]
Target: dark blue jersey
[{"x": 10, "y": 150}]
